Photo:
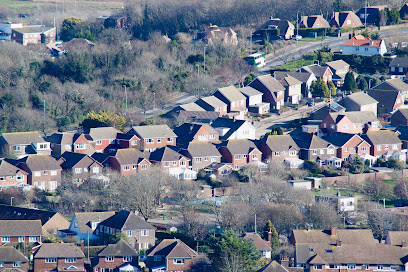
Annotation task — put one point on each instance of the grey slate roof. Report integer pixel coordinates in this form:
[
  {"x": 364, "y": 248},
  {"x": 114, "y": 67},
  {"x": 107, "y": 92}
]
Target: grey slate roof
[
  {"x": 385, "y": 98},
  {"x": 234, "y": 125},
  {"x": 20, "y": 228},
  {"x": 318, "y": 71},
  {"x": 41, "y": 162},
  {"x": 347, "y": 236},
  {"x": 72, "y": 159},
  {"x": 311, "y": 141},
  {"x": 23, "y": 138},
  {"x": 339, "y": 139},
  {"x": 361, "y": 98},
  {"x": 126, "y": 220},
  {"x": 397, "y": 237},
  {"x": 191, "y": 107},
  {"x": 249, "y": 91},
  {"x": 301, "y": 76},
  {"x": 60, "y": 250},
  {"x": 337, "y": 64},
  {"x": 10, "y": 254},
  {"x": 83, "y": 219},
  {"x": 392, "y": 84},
  {"x": 120, "y": 248},
  {"x": 186, "y": 132},
  {"x": 16, "y": 213},
  {"x": 202, "y": 115},
  {"x": 153, "y": 131},
  {"x": 399, "y": 62},
  {"x": 62, "y": 138},
  {"x": 403, "y": 132},
  {"x": 231, "y": 93}
]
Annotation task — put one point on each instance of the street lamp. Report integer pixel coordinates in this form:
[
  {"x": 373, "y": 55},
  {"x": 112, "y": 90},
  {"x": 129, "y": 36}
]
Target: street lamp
[{"x": 154, "y": 100}]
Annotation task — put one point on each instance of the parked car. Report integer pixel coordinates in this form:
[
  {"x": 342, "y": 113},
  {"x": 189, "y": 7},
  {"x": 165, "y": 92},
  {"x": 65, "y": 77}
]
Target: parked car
[{"x": 296, "y": 37}]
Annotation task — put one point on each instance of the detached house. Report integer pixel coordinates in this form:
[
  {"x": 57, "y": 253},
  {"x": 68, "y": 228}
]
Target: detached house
[
  {"x": 20, "y": 231},
  {"x": 313, "y": 21},
  {"x": 119, "y": 256},
  {"x": 11, "y": 175},
  {"x": 305, "y": 77},
  {"x": 345, "y": 19},
  {"x": 153, "y": 137},
  {"x": 264, "y": 247},
  {"x": 239, "y": 153},
  {"x": 128, "y": 162},
  {"x": 278, "y": 148},
  {"x": 12, "y": 259},
  {"x": 201, "y": 154},
  {"x": 323, "y": 72},
  {"x": 353, "y": 122},
  {"x": 102, "y": 138},
  {"x": 313, "y": 148},
  {"x": 230, "y": 129},
  {"x": 195, "y": 132},
  {"x": 393, "y": 84},
  {"x": 254, "y": 100},
  {"x": 360, "y": 45},
  {"x": 348, "y": 145},
  {"x": 293, "y": 87},
  {"x": 124, "y": 140},
  {"x": 234, "y": 99},
  {"x": 360, "y": 101},
  {"x": 171, "y": 255},
  {"x": 80, "y": 166},
  {"x": 399, "y": 68},
  {"x": 24, "y": 143},
  {"x": 339, "y": 69},
  {"x": 273, "y": 91},
  {"x": 58, "y": 257},
  {"x": 69, "y": 142},
  {"x": 275, "y": 27},
  {"x": 382, "y": 142},
  {"x": 369, "y": 15},
  {"x": 214, "y": 33},
  {"x": 44, "y": 172},
  {"x": 388, "y": 101},
  {"x": 212, "y": 103},
  {"x": 140, "y": 233},
  {"x": 34, "y": 35},
  {"x": 168, "y": 157}
]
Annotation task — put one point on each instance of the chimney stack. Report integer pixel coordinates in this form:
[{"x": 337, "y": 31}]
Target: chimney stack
[
  {"x": 404, "y": 244},
  {"x": 285, "y": 262},
  {"x": 338, "y": 243},
  {"x": 333, "y": 231}
]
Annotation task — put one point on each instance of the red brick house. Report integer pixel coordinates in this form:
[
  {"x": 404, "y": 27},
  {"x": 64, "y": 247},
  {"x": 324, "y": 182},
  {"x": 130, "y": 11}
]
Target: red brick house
[
  {"x": 69, "y": 142},
  {"x": 16, "y": 231},
  {"x": 323, "y": 72},
  {"x": 348, "y": 144},
  {"x": 382, "y": 142},
  {"x": 195, "y": 132},
  {"x": 239, "y": 152},
  {"x": 212, "y": 103},
  {"x": 12, "y": 260},
  {"x": 234, "y": 99},
  {"x": 102, "y": 138},
  {"x": 273, "y": 91},
  {"x": 153, "y": 137},
  {"x": 80, "y": 166},
  {"x": 44, "y": 172},
  {"x": 278, "y": 148},
  {"x": 58, "y": 257},
  {"x": 116, "y": 257},
  {"x": 127, "y": 141},
  {"x": 313, "y": 148},
  {"x": 171, "y": 255},
  {"x": 353, "y": 122},
  {"x": 34, "y": 35},
  {"x": 11, "y": 175},
  {"x": 201, "y": 154},
  {"x": 388, "y": 100},
  {"x": 167, "y": 157},
  {"x": 128, "y": 162}
]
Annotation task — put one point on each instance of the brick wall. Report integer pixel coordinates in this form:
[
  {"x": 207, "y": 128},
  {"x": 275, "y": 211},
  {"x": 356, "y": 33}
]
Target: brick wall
[{"x": 366, "y": 177}]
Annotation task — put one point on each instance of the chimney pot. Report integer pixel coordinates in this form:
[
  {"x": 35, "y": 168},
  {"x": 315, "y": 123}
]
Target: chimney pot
[
  {"x": 338, "y": 243},
  {"x": 285, "y": 262},
  {"x": 333, "y": 231},
  {"x": 404, "y": 244}
]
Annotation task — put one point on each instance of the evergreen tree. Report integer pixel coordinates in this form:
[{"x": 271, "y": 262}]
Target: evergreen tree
[
  {"x": 349, "y": 82},
  {"x": 68, "y": 27},
  {"x": 332, "y": 88},
  {"x": 251, "y": 76},
  {"x": 270, "y": 228},
  {"x": 319, "y": 88},
  {"x": 362, "y": 83},
  {"x": 338, "y": 5}
]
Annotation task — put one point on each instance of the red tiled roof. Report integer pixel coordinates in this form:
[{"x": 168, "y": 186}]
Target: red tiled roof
[{"x": 360, "y": 40}]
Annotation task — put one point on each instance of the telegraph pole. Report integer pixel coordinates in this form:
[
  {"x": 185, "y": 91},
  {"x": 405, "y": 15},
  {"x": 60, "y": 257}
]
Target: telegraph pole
[{"x": 365, "y": 15}]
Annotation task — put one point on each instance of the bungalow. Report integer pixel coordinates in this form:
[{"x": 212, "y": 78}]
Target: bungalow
[
  {"x": 102, "y": 138},
  {"x": 195, "y": 116},
  {"x": 239, "y": 152},
  {"x": 201, "y": 154},
  {"x": 360, "y": 101},
  {"x": 339, "y": 69},
  {"x": 254, "y": 100},
  {"x": 353, "y": 122},
  {"x": 21, "y": 144},
  {"x": 188, "y": 107},
  {"x": 275, "y": 27},
  {"x": 313, "y": 21},
  {"x": 154, "y": 136},
  {"x": 382, "y": 142},
  {"x": 388, "y": 100},
  {"x": 345, "y": 19},
  {"x": 229, "y": 129},
  {"x": 234, "y": 99},
  {"x": 264, "y": 247},
  {"x": 195, "y": 132},
  {"x": 278, "y": 148},
  {"x": 212, "y": 103},
  {"x": 273, "y": 91},
  {"x": 11, "y": 175},
  {"x": 348, "y": 144},
  {"x": 360, "y": 45},
  {"x": 321, "y": 112},
  {"x": 399, "y": 67}
]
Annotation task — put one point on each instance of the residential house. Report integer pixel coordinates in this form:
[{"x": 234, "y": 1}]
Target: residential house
[
  {"x": 264, "y": 247},
  {"x": 11, "y": 176},
  {"x": 51, "y": 221},
  {"x": 5, "y": 29},
  {"x": 117, "y": 20},
  {"x": 388, "y": 101},
  {"x": 399, "y": 67},
  {"x": 353, "y": 122},
  {"x": 393, "y": 84},
  {"x": 129, "y": 161},
  {"x": 102, "y": 138},
  {"x": 360, "y": 45},
  {"x": 278, "y": 148},
  {"x": 339, "y": 69},
  {"x": 239, "y": 152},
  {"x": 140, "y": 233},
  {"x": 167, "y": 157},
  {"x": 154, "y": 136},
  {"x": 275, "y": 27},
  {"x": 229, "y": 129},
  {"x": 402, "y": 133},
  {"x": 171, "y": 255},
  {"x": 69, "y": 142},
  {"x": 34, "y": 35},
  {"x": 58, "y": 257},
  {"x": 342, "y": 204},
  {"x": 44, "y": 172},
  {"x": 382, "y": 141},
  {"x": 274, "y": 266},
  {"x": 404, "y": 12},
  {"x": 127, "y": 141},
  {"x": 345, "y": 19},
  {"x": 273, "y": 91},
  {"x": 234, "y": 99},
  {"x": 119, "y": 256},
  {"x": 321, "y": 112},
  {"x": 293, "y": 88},
  {"x": 80, "y": 166},
  {"x": 13, "y": 232},
  {"x": 313, "y": 21},
  {"x": 84, "y": 225},
  {"x": 188, "y": 107},
  {"x": 213, "y": 33},
  {"x": 396, "y": 238},
  {"x": 369, "y": 15},
  {"x": 360, "y": 101},
  {"x": 212, "y": 103},
  {"x": 399, "y": 118},
  {"x": 323, "y": 72},
  {"x": 21, "y": 144},
  {"x": 12, "y": 259},
  {"x": 201, "y": 154},
  {"x": 348, "y": 145},
  {"x": 305, "y": 77},
  {"x": 254, "y": 101},
  {"x": 195, "y": 116},
  {"x": 195, "y": 132},
  {"x": 313, "y": 148},
  {"x": 218, "y": 170}
]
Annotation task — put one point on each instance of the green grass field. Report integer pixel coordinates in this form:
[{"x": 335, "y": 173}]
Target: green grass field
[{"x": 293, "y": 65}]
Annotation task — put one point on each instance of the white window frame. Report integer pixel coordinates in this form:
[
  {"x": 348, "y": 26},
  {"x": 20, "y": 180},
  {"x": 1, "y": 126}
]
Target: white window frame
[
  {"x": 19, "y": 177},
  {"x": 70, "y": 260},
  {"x": 1, "y": 264},
  {"x": 5, "y": 239},
  {"x": 78, "y": 170},
  {"x": 127, "y": 259},
  {"x": 21, "y": 239},
  {"x": 98, "y": 142},
  {"x": 53, "y": 173},
  {"x": 95, "y": 170},
  {"x": 37, "y": 173},
  {"x": 16, "y": 264},
  {"x": 351, "y": 267},
  {"x": 176, "y": 261},
  {"x": 144, "y": 232},
  {"x": 109, "y": 259},
  {"x": 315, "y": 267},
  {"x": 32, "y": 239},
  {"x": 50, "y": 260},
  {"x": 126, "y": 168}
]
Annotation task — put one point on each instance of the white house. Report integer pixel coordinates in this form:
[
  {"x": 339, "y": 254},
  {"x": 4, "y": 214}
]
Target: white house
[
  {"x": 341, "y": 203},
  {"x": 254, "y": 100},
  {"x": 5, "y": 29},
  {"x": 361, "y": 45},
  {"x": 230, "y": 129}
]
